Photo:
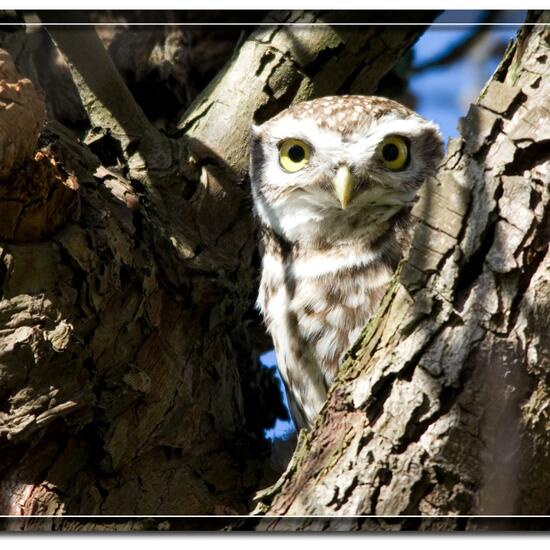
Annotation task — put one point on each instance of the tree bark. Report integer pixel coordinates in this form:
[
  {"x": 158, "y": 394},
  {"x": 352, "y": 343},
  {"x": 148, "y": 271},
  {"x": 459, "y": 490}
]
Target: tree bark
[
  {"x": 129, "y": 381},
  {"x": 441, "y": 408}
]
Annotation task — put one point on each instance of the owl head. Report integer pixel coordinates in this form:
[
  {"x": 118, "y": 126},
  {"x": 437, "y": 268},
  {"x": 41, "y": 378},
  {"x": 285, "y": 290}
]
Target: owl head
[{"x": 340, "y": 168}]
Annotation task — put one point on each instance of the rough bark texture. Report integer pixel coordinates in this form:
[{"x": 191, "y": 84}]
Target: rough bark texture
[
  {"x": 128, "y": 359},
  {"x": 442, "y": 406},
  {"x": 36, "y": 196},
  {"x": 22, "y": 117}
]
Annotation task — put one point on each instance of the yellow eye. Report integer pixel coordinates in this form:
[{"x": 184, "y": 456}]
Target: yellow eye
[
  {"x": 294, "y": 154},
  {"x": 394, "y": 152}
]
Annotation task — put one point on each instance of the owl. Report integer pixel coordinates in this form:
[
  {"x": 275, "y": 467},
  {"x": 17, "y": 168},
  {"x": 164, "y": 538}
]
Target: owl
[{"x": 333, "y": 180}]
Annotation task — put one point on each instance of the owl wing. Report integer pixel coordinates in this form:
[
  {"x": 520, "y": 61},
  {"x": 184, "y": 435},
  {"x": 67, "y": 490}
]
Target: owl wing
[{"x": 305, "y": 383}]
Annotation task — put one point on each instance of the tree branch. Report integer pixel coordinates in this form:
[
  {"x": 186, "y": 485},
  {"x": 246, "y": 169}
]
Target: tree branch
[
  {"x": 280, "y": 65},
  {"x": 111, "y": 106}
]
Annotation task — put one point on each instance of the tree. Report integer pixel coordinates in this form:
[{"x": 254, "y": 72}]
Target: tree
[
  {"x": 128, "y": 370},
  {"x": 440, "y": 409},
  {"x": 128, "y": 274}
]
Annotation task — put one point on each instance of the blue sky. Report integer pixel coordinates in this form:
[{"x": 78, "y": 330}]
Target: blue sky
[{"x": 443, "y": 94}]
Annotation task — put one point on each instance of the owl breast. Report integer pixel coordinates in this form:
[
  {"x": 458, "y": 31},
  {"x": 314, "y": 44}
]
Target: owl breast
[{"x": 315, "y": 308}]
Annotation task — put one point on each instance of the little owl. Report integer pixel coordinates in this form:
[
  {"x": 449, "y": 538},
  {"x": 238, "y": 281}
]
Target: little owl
[{"x": 333, "y": 180}]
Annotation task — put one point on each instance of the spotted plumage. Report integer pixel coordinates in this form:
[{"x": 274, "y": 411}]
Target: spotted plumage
[{"x": 332, "y": 180}]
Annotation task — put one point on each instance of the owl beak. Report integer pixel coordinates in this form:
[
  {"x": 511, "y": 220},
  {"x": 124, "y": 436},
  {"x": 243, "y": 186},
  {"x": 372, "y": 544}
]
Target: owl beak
[{"x": 343, "y": 184}]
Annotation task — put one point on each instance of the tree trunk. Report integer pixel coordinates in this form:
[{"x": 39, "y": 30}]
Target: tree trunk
[
  {"x": 441, "y": 408},
  {"x": 129, "y": 381}
]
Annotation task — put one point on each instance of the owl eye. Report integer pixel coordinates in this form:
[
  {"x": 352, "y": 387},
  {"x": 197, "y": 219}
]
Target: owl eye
[
  {"x": 394, "y": 151},
  {"x": 294, "y": 154}
]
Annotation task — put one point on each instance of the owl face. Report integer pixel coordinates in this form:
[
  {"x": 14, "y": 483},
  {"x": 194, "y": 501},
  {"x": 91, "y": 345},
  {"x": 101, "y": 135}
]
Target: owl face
[{"x": 339, "y": 168}]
